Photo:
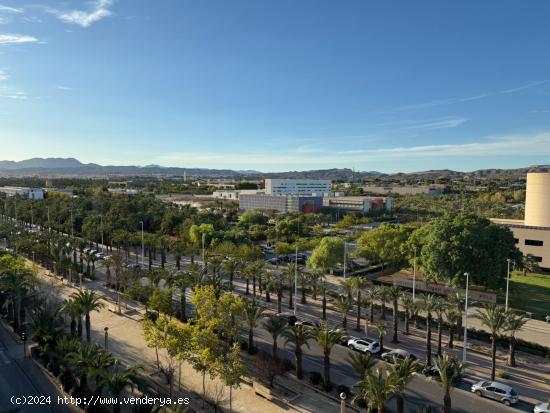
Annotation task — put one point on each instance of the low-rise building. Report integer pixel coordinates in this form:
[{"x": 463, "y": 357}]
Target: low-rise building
[
  {"x": 435, "y": 189},
  {"x": 233, "y": 194},
  {"x": 297, "y": 186},
  {"x": 362, "y": 204},
  {"x": 281, "y": 203},
  {"x": 31, "y": 193}
]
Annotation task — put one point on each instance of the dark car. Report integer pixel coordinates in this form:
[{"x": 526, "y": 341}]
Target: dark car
[
  {"x": 289, "y": 317},
  {"x": 431, "y": 371}
]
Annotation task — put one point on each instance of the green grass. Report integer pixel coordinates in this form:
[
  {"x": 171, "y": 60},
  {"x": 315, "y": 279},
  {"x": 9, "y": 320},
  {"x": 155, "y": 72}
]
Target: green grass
[{"x": 530, "y": 293}]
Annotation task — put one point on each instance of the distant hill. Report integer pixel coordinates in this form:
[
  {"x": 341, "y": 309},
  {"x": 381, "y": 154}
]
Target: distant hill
[{"x": 70, "y": 167}]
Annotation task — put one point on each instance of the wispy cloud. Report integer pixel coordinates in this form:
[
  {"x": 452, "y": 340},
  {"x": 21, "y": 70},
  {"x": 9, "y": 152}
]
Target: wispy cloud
[
  {"x": 17, "y": 39},
  {"x": 8, "y": 93},
  {"x": 489, "y": 147},
  {"x": 9, "y": 9},
  {"x": 461, "y": 99},
  {"x": 64, "y": 88},
  {"x": 3, "y": 75},
  {"x": 445, "y": 122},
  {"x": 99, "y": 10}
]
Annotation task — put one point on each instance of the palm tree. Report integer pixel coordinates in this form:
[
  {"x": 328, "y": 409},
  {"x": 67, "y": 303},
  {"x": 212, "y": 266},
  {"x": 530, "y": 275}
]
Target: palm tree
[
  {"x": 322, "y": 289},
  {"x": 529, "y": 264},
  {"x": 394, "y": 293},
  {"x": 327, "y": 338},
  {"x": 374, "y": 389},
  {"x": 382, "y": 291},
  {"x": 440, "y": 309},
  {"x": 72, "y": 309},
  {"x": 399, "y": 374},
  {"x": 299, "y": 335},
  {"x": 381, "y": 329},
  {"x": 452, "y": 315},
  {"x": 114, "y": 382},
  {"x": 87, "y": 302},
  {"x": 408, "y": 305},
  {"x": 449, "y": 369},
  {"x": 183, "y": 281},
  {"x": 370, "y": 296},
  {"x": 232, "y": 265},
  {"x": 253, "y": 312},
  {"x": 344, "y": 305},
  {"x": 83, "y": 359},
  {"x": 362, "y": 363},
  {"x": 514, "y": 323},
  {"x": 493, "y": 317},
  {"x": 275, "y": 326},
  {"x": 428, "y": 304},
  {"x": 289, "y": 281},
  {"x": 358, "y": 285}
]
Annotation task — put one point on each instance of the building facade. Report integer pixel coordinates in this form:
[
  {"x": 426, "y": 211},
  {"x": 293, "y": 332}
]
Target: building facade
[
  {"x": 31, "y": 193},
  {"x": 297, "y": 186},
  {"x": 361, "y": 204},
  {"x": 532, "y": 234},
  {"x": 281, "y": 203},
  {"x": 431, "y": 190},
  {"x": 234, "y": 194}
]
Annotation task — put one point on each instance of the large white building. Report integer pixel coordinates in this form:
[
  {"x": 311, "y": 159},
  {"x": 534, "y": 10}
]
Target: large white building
[
  {"x": 297, "y": 186},
  {"x": 31, "y": 193}
]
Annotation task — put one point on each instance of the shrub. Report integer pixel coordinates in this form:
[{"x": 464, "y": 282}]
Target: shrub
[
  {"x": 315, "y": 377},
  {"x": 287, "y": 365},
  {"x": 503, "y": 374}
]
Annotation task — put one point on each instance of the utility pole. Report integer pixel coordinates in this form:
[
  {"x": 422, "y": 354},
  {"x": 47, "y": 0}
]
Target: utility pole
[
  {"x": 414, "y": 275},
  {"x": 345, "y": 257},
  {"x": 507, "y": 284},
  {"x": 465, "y": 321},
  {"x": 296, "y": 279}
]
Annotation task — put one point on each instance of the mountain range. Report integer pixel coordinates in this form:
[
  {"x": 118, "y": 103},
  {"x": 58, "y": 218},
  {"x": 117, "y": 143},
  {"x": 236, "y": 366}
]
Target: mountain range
[{"x": 71, "y": 167}]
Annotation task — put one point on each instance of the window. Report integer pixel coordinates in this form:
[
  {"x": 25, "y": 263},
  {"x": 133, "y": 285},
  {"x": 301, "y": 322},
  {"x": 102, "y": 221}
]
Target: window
[
  {"x": 537, "y": 259},
  {"x": 534, "y": 242},
  {"x": 516, "y": 240}
]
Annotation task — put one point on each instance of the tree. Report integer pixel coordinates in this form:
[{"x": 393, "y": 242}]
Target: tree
[
  {"x": 514, "y": 323},
  {"x": 440, "y": 309},
  {"x": 370, "y": 296},
  {"x": 114, "y": 382},
  {"x": 528, "y": 263},
  {"x": 232, "y": 369},
  {"x": 327, "y": 338},
  {"x": 428, "y": 305},
  {"x": 299, "y": 335},
  {"x": 456, "y": 243},
  {"x": 253, "y": 312},
  {"x": 72, "y": 309},
  {"x": 275, "y": 326},
  {"x": 381, "y": 329},
  {"x": 362, "y": 363},
  {"x": 88, "y": 301},
  {"x": 399, "y": 374},
  {"x": 493, "y": 317},
  {"x": 328, "y": 253},
  {"x": 384, "y": 244},
  {"x": 382, "y": 295},
  {"x": 449, "y": 369},
  {"x": 394, "y": 294},
  {"x": 161, "y": 301},
  {"x": 408, "y": 305},
  {"x": 374, "y": 389},
  {"x": 252, "y": 217},
  {"x": 344, "y": 305},
  {"x": 358, "y": 285}
]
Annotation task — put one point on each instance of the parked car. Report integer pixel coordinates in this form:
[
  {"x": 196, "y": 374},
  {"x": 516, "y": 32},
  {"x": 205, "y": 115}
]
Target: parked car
[
  {"x": 542, "y": 408},
  {"x": 345, "y": 339},
  {"x": 495, "y": 390},
  {"x": 289, "y": 317},
  {"x": 397, "y": 355},
  {"x": 306, "y": 322},
  {"x": 431, "y": 371},
  {"x": 101, "y": 255},
  {"x": 365, "y": 345}
]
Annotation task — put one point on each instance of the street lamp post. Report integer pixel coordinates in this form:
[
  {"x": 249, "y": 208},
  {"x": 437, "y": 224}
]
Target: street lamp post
[
  {"x": 296, "y": 279},
  {"x": 414, "y": 275},
  {"x": 142, "y": 246},
  {"x": 106, "y": 329},
  {"x": 507, "y": 284},
  {"x": 464, "y": 348}
]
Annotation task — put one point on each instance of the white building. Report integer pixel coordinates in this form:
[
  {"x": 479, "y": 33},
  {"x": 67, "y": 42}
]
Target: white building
[
  {"x": 233, "y": 194},
  {"x": 297, "y": 186},
  {"x": 31, "y": 193},
  {"x": 361, "y": 204}
]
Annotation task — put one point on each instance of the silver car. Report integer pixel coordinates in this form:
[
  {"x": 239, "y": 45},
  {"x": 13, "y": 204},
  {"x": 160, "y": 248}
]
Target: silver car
[
  {"x": 542, "y": 408},
  {"x": 495, "y": 390}
]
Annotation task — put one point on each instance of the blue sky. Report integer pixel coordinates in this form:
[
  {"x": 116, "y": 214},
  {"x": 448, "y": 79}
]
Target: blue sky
[{"x": 277, "y": 85}]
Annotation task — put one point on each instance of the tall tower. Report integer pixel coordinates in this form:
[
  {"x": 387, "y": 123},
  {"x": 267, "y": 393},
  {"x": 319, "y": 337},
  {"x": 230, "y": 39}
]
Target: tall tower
[{"x": 537, "y": 200}]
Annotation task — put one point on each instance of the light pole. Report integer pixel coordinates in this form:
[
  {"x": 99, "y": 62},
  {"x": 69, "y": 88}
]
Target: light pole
[
  {"x": 142, "y": 246},
  {"x": 101, "y": 221},
  {"x": 106, "y": 329},
  {"x": 465, "y": 320},
  {"x": 507, "y": 284},
  {"x": 296, "y": 279},
  {"x": 72, "y": 225},
  {"x": 414, "y": 275},
  {"x": 343, "y": 398}
]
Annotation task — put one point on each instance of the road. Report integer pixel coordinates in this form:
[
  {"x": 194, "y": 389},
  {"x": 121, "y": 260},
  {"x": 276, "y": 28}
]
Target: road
[{"x": 19, "y": 377}]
